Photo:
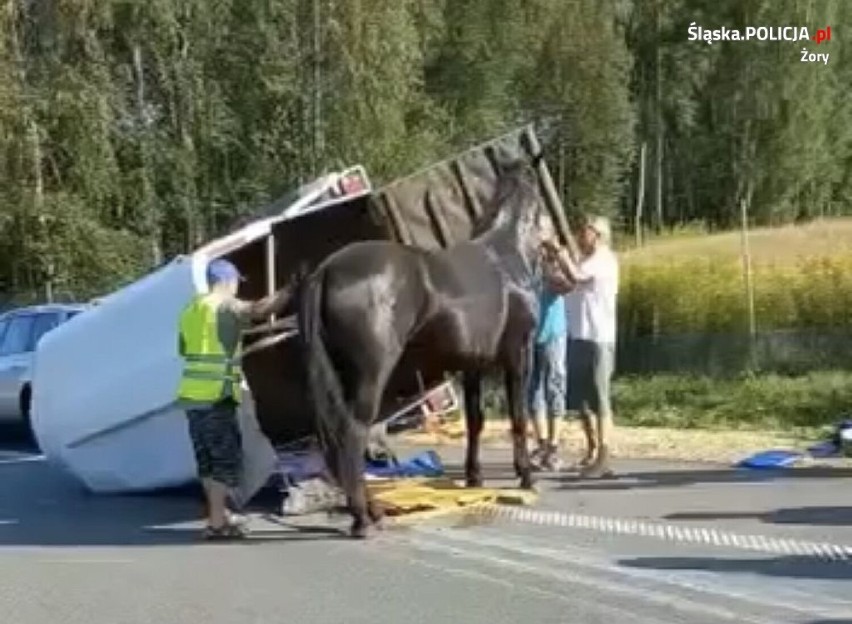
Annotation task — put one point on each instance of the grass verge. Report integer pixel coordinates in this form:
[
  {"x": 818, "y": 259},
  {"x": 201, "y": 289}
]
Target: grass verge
[
  {"x": 698, "y": 418},
  {"x": 767, "y": 402},
  {"x": 630, "y": 442}
]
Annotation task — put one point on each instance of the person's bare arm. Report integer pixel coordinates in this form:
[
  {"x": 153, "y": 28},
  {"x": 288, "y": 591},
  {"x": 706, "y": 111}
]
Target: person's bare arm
[
  {"x": 559, "y": 284},
  {"x": 262, "y": 308},
  {"x": 566, "y": 263},
  {"x": 555, "y": 279}
]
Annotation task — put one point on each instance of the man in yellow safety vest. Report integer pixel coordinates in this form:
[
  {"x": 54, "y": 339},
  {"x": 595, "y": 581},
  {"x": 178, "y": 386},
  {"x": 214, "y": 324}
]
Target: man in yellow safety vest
[{"x": 210, "y": 328}]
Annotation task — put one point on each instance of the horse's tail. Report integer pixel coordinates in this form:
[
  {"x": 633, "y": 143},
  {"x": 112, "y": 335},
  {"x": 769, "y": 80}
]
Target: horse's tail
[{"x": 331, "y": 413}]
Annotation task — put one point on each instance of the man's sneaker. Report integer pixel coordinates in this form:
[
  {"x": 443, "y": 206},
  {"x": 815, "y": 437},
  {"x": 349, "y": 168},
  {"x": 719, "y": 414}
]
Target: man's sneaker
[
  {"x": 237, "y": 519},
  {"x": 537, "y": 458},
  {"x": 600, "y": 468},
  {"x": 228, "y": 532},
  {"x": 582, "y": 464},
  {"x": 545, "y": 458},
  {"x": 552, "y": 462}
]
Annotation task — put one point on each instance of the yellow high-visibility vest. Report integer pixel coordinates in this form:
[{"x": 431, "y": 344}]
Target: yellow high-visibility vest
[{"x": 207, "y": 367}]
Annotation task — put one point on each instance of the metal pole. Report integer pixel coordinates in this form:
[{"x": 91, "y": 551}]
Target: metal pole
[
  {"x": 270, "y": 269},
  {"x": 551, "y": 196},
  {"x": 747, "y": 275},
  {"x": 640, "y": 196}
]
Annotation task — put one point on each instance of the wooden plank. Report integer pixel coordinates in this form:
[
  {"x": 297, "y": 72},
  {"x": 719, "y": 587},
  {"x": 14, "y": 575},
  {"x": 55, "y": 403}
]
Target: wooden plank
[
  {"x": 551, "y": 196},
  {"x": 285, "y": 323},
  {"x": 397, "y": 222},
  {"x": 445, "y": 238},
  {"x": 471, "y": 202}
]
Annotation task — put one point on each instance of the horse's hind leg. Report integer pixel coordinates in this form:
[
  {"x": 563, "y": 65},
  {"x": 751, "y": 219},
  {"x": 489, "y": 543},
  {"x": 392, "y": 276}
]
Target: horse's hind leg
[
  {"x": 365, "y": 409},
  {"x": 350, "y": 467},
  {"x": 474, "y": 421},
  {"x": 515, "y": 378}
]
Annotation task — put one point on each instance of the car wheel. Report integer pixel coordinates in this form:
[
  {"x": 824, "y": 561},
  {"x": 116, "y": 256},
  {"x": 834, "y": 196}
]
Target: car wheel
[{"x": 26, "y": 405}]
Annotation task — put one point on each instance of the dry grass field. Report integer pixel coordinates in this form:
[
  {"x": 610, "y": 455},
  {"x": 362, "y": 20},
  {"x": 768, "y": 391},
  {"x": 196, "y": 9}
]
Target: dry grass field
[
  {"x": 692, "y": 283},
  {"x": 785, "y": 245}
]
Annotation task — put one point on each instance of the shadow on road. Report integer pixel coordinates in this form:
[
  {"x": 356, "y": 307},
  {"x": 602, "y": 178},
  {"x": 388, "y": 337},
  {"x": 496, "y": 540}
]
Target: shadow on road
[
  {"x": 16, "y": 439},
  {"x": 816, "y": 516},
  {"x": 789, "y": 566},
  {"x": 40, "y": 506},
  {"x": 491, "y": 471},
  {"x": 679, "y": 478}
]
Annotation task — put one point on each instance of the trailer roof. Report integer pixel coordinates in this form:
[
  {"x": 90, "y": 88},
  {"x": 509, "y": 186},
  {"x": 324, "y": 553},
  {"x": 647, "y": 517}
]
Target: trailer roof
[{"x": 306, "y": 204}]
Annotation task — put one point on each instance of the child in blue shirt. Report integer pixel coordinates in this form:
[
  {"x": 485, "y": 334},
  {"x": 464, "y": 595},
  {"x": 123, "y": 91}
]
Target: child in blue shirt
[{"x": 547, "y": 383}]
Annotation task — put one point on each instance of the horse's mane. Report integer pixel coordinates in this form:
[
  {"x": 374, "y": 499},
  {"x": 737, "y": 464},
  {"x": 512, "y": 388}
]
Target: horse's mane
[{"x": 509, "y": 191}]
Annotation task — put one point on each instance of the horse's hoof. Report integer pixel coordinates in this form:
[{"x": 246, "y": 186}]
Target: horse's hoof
[
  {"x": 376, "y": 512},
  {"x": 378, "y": 520},
  {"x": 473, "y": 482},
  {"x": 527, "y": 483},
  {"x": 359, "y": 531}
]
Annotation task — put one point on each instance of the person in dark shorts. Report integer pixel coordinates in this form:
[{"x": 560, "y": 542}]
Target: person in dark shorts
[
  {"x": 209, "y": 337},
  {"x": 592, "y": 333}
]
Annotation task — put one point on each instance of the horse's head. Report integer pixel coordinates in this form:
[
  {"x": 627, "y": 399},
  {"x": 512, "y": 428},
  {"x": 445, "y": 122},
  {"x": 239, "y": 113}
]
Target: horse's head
[
  {"x": 520, "y": 209},
  {"x": 513, "y": 224},
  {"x": 515, "y": 198}
]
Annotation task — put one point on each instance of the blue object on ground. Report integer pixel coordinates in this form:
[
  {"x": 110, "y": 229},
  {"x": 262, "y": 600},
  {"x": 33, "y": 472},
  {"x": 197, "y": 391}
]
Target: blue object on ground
[
  {"x": 425, "y": 464},
  {"x": 771, "y": 459},
  {"x": 833, "y": 446},
  {"x": 824, "y": 449},
  {"x": 842, "y": 426}
]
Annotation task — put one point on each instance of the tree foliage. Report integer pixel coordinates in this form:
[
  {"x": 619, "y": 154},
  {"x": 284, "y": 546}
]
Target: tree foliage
[{"x": 131, "y": 131}]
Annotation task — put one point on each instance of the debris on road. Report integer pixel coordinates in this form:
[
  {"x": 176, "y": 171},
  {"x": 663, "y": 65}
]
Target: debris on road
[
  {"x": 408, "y": 488},
  {"x": 413, "y": 497}
]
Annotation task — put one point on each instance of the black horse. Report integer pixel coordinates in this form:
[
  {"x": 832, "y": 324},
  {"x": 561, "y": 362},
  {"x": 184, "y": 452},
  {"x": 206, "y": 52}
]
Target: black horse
[{"x": 373, "y": 305}]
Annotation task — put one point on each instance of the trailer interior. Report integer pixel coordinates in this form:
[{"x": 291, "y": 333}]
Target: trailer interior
[{"x": 430, "y": 209}]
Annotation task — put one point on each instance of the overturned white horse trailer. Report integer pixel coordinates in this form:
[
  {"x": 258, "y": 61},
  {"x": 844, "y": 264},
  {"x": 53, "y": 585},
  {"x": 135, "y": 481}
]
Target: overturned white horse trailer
[{"x": 104, "y": 384}]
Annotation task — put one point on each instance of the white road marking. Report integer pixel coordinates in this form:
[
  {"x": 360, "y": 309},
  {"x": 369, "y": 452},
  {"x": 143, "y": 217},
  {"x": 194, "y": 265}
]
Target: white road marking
[
  {"x": 617, "y": 614},
  {"x": 22, "y": 459},
  {"x": 668, "y": 532},
  {"x": 467, "y": 541},
  {"x": 563, "y": 575},
  {"x": 77, "y": 560}
]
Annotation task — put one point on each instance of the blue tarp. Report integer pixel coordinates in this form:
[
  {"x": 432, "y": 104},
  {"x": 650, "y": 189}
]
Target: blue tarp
[
  {"x": 297, "y": 466},
  {"x": 425, "y": 464},
  {"x": 771, "y": 459},
  {"x": 779, "y": 458}
]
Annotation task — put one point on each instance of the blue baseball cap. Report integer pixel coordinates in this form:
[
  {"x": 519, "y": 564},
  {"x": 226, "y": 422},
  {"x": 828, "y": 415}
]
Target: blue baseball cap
[{"x": 220, "y": 271}]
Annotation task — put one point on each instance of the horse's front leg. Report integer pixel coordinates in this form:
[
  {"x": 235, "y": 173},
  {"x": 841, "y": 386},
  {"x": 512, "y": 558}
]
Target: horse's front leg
[
  {"x": 474, "y": 421},
  {"x": 515, "y": 380}
]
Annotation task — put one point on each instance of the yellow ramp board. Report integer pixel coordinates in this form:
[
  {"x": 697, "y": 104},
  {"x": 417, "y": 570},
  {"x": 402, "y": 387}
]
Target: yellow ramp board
[{"x": 408, "y": 497}]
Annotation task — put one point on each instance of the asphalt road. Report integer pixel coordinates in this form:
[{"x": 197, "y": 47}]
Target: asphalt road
[{"x": 663, "y": 543}]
